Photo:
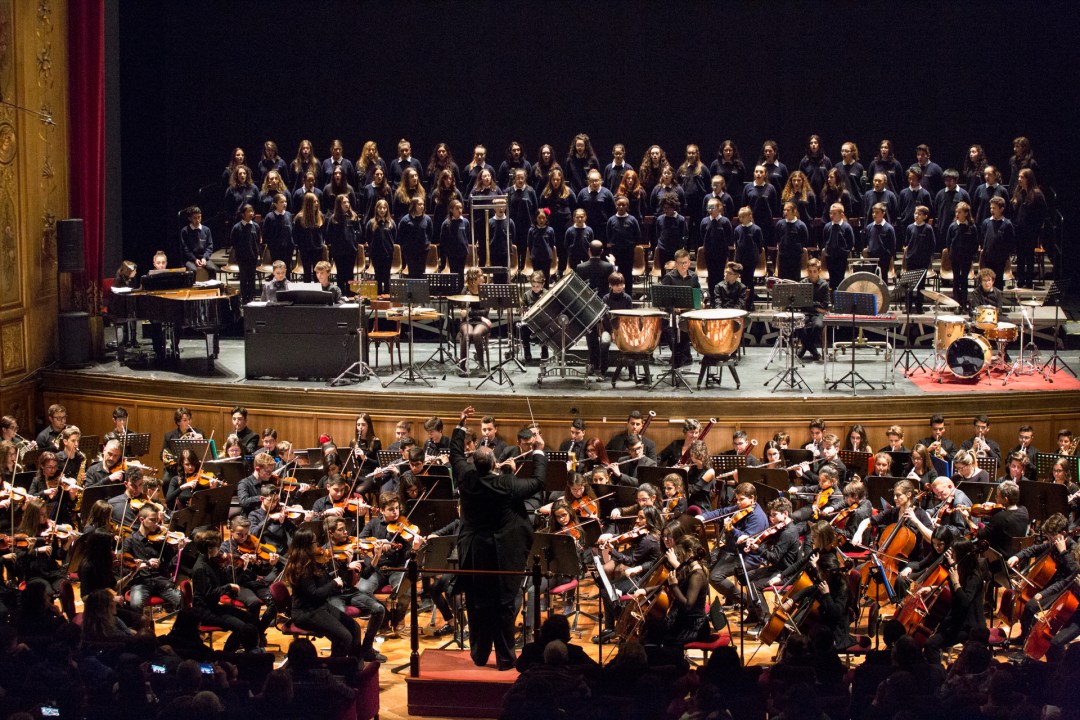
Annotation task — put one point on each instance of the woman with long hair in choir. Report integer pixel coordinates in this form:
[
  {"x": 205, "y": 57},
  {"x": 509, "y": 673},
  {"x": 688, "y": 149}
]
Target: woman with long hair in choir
[
  {"x": 409, "y": 188},
  {"x": 454, "y": 237},
  {"x": 1029, "y": 213},
  {"x": 344, "y": 236},
  {"x": 378, "y": 189},
  {"x": 663, "y": 188},
  {"x": 241, "y": 191},
  {"x": 631, "y": 188},
  {"x": 1022, "y": 158},
  {"x": 815, "y": 164},
  {"x": 836, "y": 191},
  {"x": 799, "y": 191},
  {"x": 273, "y": 183},
  {"x": 271, "y": 160},
  {"x": 545, "y": 163},
  {"x": 381, "y": 230},
  {"x": 368, "y": 162},
  {"x": 580, "y": 159},
  {"x": 515, "y": 160},
  {"x": 477, "y": 165},
  {"x": 308, "y": 230},
  {"x": 962, "y": 240},
  {"x": 304, "y": 162},
  {"x": 730, "y": 166},
  {"x": 972, "y": 170},
  {"x": 312, "y": 586},
  {"x": 441, "y": 160},
  {"x": 694, "y": 179},
  {"x": 776, "y": 172},
  {"x": 652, "y": 164},
  {"x": 414, "y": 234},
  {"x": 235, "y": 160},
  {"x": 484, "y": 189},
  {"x": 541, "y": 245},
  {"x": 886, "y": 162},
  {"x": 442, "y": 193},
  {"x": 558, "y": 199},
  {"x": 277, "y": 229},
  {"x": 339, "y": 185},
  {"x": 308, "y": 186}
]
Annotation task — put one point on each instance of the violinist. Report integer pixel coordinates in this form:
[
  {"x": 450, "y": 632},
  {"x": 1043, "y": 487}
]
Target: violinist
[
  {"x": 71, "y": 459},
  {"x": 49, "y": 438},
  {"x": 334, "y": 503},
  {"x": 365, "y": 448},
  {"x": 213, "y": 596},
  {"x": 779, "y": 548},
  {"x": 687, "y": 590},
  {"x": 40, "y": 554},
  {"x": 829, "y": 589},
  {"x": 437, "y": 445},
  {"x": 949, "y": 501},
  {"x": 111, "y": 467},
  {"x": 635, "y": 424},
  {"x": 701, "y": 477},
  {"x": 979, "y": 444},
  {"x": 184, "y": 431},
  {"x": 57, "y": 491},
  {"x": 674, "y": 503},
  {"x": 625, "y": 568},
  {"x": 272, "y": 522},
  {"x": 624, "y": 472},
  {"x": 859, "y": 507},
  {"x": 190, "y": 478},
  {"x": 740, "y": 521},
  {"x": 9, "y": 509},
  {"x": 922, "y": 466},
  {"x": 96, "y": 547},
  {"x": 9, "y": 432},
  {"x": 936, "y": 442},
  {"x": 249, "y": 489},
  {"x": 126, "y": 505},
  {"x": 904, "y": 510},
  {"x": 312, "y": 584},
  {"x": 253, "y": 569},
  {"x": 390, "y": 552},
  {"x": 1059, "y": 546},
  {"x": 647, "y": 496},
  {"x": 348, "y": 565},
  {"x": 155, "y": 560},
  {"x": 825, "y": 496},
  {"x": 670, "y": 455},
  {"x": 9, "y": 458}
]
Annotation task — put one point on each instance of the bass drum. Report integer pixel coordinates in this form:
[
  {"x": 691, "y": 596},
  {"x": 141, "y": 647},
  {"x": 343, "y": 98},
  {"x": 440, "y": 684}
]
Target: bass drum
[
  {"x": 716, "y": 332},
  {"x": 571, "y": 300},
  {"x": 637, "y": 331},
  {"x": 968, "y": 356}
]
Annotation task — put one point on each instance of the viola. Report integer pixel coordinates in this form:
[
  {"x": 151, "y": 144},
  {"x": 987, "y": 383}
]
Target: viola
[{"x": 986, "y": 509}]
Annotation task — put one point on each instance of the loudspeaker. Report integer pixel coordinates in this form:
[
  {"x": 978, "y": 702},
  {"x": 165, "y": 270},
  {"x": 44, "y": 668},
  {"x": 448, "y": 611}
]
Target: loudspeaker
[
  {"x": 73, "y": 349},
  {"x": 69, "y": 246}
]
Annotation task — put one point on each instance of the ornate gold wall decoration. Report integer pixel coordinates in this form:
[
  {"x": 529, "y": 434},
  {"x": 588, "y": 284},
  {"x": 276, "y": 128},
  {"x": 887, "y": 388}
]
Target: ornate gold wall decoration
[{"x": 12, "y": 348}]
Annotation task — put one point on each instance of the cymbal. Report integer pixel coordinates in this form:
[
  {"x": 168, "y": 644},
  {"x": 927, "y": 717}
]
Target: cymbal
[
  {"x": 463, "y": 298},
  {"x": 1031, "y": 303},
  {"x": 940, "y": 298},
  {"x": 1023, "y": 291}
]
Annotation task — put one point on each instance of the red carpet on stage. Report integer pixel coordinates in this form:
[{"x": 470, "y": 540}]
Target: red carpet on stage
[
  {"x": 451, "y": 685},
  {"x": 992, "y": 383}
]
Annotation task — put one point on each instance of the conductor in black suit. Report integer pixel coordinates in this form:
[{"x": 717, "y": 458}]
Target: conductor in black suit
[
  {"x": 496, "y": 534},
  {"x": 595, "y": 271}
]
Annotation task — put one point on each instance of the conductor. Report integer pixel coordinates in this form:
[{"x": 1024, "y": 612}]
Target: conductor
[{"x": 495, "y": 535}]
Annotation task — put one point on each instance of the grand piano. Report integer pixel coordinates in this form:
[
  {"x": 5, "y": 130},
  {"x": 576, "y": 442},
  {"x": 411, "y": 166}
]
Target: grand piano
[{"x": 169, "y": 298}]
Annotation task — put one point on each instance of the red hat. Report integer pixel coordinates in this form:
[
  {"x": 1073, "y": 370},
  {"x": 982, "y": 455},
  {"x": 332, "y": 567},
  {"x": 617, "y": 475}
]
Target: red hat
[{"x": 323, "y": 439}]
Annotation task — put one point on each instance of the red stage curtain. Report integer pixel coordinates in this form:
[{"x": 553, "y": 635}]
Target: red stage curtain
[{"x": 86, "y": 130}]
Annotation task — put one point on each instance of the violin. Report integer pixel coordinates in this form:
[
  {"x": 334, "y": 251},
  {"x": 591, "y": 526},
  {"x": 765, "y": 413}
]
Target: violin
[
  {"x": 251, "y": 546},
  {"x": 138, "y": 503},
  {"x": 737, "y": 517},
  {"x": 172, "y": 538},
  {"x": 204, "y": 480},
  {"x": 627, "y": 536},
  {"x": 403, "y": 529},
  {"x": 62, "y": 532},
  {"x": 986, "y": 509},
  {"x": 672, "y": 503},
  {"x": 585, "y": 506},
  {"x": 841, "y": 517},
  {"x": 755, "y": 540},
  {"x": 352, "y": 546},
  {"x": 822, "y": 501},
  {"x": 352, "y": 505},
  {"x": 14, "y": 492}
]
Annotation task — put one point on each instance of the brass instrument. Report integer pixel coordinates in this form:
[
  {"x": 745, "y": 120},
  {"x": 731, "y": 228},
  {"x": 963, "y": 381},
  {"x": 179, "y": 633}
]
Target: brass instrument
[
  {"x": 936, "y": 449},
  {"x": 979, "y": 446},
  {"x": 168, "y": 458}
]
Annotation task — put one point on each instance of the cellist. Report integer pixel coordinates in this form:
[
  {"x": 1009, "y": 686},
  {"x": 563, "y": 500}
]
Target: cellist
[
  {"x": 1071, "y": 630},
  {"x": 687, "y": 591},
  {"x": 741, "y": 520},
  {"x": 1059, "y": 545},
  {"x": 779, "y": 547},
  {"x": 829, "y": 589}
]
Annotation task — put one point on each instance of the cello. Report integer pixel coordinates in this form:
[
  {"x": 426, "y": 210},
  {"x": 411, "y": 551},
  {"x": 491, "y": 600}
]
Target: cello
[
  {"x": 922, "y": 612},
  {"x": 804, "y": 584},
  {"x": 1031, "y": 584},
  {"x": 631, "y": 623},
  {"x": 895, "y": 544},
  {"x": 1053, "y": 620}
]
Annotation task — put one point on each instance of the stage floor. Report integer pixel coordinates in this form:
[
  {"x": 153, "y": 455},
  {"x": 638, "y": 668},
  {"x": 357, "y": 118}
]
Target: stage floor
[{"x": 756, "y": 379}]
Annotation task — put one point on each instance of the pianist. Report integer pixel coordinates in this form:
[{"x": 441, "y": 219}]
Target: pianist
[
  {"x": 277, "y": 283},
  {"x": 322, "y": 274}
]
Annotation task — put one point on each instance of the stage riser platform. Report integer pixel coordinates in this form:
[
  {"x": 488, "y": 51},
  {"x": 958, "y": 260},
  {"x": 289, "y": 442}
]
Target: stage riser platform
[{"x": 450, "y": 685}]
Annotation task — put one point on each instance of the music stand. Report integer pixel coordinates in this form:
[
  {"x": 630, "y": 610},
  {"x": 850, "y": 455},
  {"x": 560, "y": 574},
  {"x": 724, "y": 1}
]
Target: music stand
[
  {"x": 654, "y": 475},
  {"x": 198, "y": 447},
  {"x": 135, "y": 445},
  {"x": 766, "y": 493},
  {"x": 855, "y": 460},
  {"x": 215, "y": 503},
  {"x": 502, "y": 297},
  {"x": 789, "y": 297},
  {"x": 440, "y": 285},
  {"x": 439, "y": 555},
  {"x": 1044, "y": 466},
  {"x": 989, "y": 464},
  {"x": 908, "y": 282},
  {"x": 410, "y": 292},
  {"x": 853, "y": 304},
  {"x": 879, "y": 489},
  {"x": 794, "y": 456},
  {"x": 94, "y": 493},
  {"x": 670, "y": 297},
  {"x": 230, "y": 472},
  {"x": 624, "y": 494},
  {"x": 430, "y": 515},
  {"x": 766, "y": 477},
  {"x": 359, "y": 371},
  {"x": 309, "y": 497},
  {"x": 1043, "y": 499},
  {"x": 901, "y": 462},
  {"x": 1054, "y": 295},
  {"x": 979, "y": 491},
  {"x": 90, "y": 446}
]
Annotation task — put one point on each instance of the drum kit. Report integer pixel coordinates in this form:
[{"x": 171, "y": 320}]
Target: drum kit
[{"x": 966, "y": 355}]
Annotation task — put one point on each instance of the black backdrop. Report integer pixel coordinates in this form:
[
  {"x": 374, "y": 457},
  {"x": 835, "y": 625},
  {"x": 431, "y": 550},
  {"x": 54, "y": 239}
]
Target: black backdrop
[{"x": 198, "y": 78}]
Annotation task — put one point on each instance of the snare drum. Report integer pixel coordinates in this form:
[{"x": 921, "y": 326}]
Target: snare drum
[
  {"x": 571, "y": 298},
  {"x": 637, "y": 331},
  {"x": 716, "y": 332},
  {"x": 984, "y": 317},
  {"x": 1004, "y": 332},
  {"x": 946, "y": 329},
  {"x": 787, "y": 321},
  {"x": 968, "y": 356}
]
